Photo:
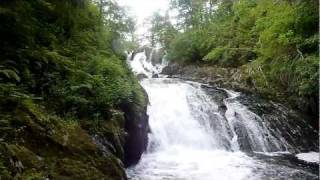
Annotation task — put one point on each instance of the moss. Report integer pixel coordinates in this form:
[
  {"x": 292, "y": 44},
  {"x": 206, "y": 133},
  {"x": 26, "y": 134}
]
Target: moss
[
  {"x": 109, "y": 133},
  {"x": 32, "y": 174},
  {"x": 47, "y": 146},
  {"x": 73, "y": 169},
  {"x": 73, "y": 137},
  {"x": 4, "y": 171},
  {"x": 59, "y": 81},
  {"x": 23, "y": 157},
  {"x": 114, "y": 130}
]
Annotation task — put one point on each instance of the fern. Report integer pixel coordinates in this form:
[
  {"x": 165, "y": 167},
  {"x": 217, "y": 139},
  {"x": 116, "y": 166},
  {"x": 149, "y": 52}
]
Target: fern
[{"x": 11, "y": 74}]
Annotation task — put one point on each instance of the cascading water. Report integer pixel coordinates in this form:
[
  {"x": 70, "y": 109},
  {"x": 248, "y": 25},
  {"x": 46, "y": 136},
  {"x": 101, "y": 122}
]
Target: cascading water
[
  {"x": 141, "y": 64},
  {"x": 193, "y": 138},
  {"x": 251, "y": 127}
]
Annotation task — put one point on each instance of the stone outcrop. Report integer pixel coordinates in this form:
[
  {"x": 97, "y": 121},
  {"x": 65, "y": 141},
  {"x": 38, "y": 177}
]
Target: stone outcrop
[
  {"x": 137, "y": 129},
  {"x": 290, "y": 124},
  {"x": 287, "y": 124},
  {"x": 38, "y": 145},
  {"x": 35, "y": 144}
]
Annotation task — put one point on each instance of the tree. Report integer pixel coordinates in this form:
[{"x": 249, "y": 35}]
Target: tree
[{"x": 162, "y": 31}]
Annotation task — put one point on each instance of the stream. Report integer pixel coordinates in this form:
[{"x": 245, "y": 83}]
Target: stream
[{"x": 209, "y": 133}]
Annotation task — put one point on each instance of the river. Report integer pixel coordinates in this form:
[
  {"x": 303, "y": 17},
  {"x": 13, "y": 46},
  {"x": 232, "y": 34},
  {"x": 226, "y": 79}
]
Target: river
[{"x": 197, "y": 137}]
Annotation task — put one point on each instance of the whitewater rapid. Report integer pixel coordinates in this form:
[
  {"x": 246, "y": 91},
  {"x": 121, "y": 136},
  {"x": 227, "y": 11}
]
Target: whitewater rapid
[
  {"x": 181, "y": 147},
  {"x": 193, "y": 139}
]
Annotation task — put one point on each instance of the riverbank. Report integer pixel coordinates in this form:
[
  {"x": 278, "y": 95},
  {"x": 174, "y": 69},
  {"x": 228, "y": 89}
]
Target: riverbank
[
  {"x": 37, "y": 144},
  {"x": 70, "y": 108}
]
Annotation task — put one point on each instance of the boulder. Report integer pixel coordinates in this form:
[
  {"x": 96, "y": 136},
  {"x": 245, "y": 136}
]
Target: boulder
[
  {"x": 155, "y": 76},
  {"x": 137, "y": 129},
  {"x": 170, "y": 70},
  {"x": 141, "y": 76}
]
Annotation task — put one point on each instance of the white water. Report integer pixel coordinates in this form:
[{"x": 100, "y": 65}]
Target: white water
[
  {"x": 141, "y": 65},
  {"x": 259, "y": 137},
  {"x": 309, "y": 157},
  {"x": 192, "y": 140},
  {"x": 181, "y": 147}
]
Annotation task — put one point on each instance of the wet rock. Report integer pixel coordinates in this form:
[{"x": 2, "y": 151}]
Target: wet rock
[
  {"x": 156, "y": 56},
  {"x": 109, "y": 135},
  {"x": 137, "y": 129},
  {"x": 243, "y": 137},
  {"x": 288, "y": 160},
  {"x": 217, "y": 94},
  {"x": 141, "y": 76},
  {"x": 173, "y": 69},
  {"x": 284, "y": 122},
  {"x": 155, "y": 76}
]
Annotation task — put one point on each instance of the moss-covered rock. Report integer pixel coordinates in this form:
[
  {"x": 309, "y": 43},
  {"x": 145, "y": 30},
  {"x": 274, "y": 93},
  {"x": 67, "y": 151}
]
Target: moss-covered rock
[
  {"x": 137, "y": 129},
  {"x": 46, "y": 146},
  {"x": 61, "y": 85},
  {"x": 23, "y": 158}
]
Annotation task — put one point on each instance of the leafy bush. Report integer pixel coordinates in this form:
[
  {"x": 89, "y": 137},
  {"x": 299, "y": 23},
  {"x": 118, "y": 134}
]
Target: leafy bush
[
  {"x": 64, "y": 54},
  {"x": 183, "y": 48},
  {"x": 278, "y": 39}
]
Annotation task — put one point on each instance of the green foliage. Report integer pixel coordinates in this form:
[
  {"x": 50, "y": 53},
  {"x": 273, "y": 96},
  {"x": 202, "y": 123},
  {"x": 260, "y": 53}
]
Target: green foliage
[
  {"x": 69, "y": 56},
  {"x": 215, "y": 55},
  {"x": 162, "y": 31},
  {"x": 278, "y": 40},
  {"x": 62, "y": 67},
  {"x": 183, "y": 48}
]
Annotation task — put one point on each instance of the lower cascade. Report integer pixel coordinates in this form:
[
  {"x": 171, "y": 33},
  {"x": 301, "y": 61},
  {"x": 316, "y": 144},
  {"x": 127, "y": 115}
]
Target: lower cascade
[{"x": 197, "y": 136}]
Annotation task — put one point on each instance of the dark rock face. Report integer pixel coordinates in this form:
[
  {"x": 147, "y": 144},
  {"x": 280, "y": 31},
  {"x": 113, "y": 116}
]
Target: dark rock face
[
  {"x": 291, "y": 125},
  {"x": 155, "y": 76},
  {"x": 137, "y": 129},
  {"x": 171, "y": 70},
  {"x": 34, "y": 143},
  {"x": 141, "y": 76},
  {"x": 243, "y": 137},
  {"x": 288, "y": 160},
  {"x": 280, "y": 121},
  {"x": 217, "y": 95}
]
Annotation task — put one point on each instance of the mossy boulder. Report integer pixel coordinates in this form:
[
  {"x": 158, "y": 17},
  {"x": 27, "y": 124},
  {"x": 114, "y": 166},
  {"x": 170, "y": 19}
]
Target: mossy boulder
[
  {"x": 43, "y": 146},
  {"x": 137, "y": 129}
]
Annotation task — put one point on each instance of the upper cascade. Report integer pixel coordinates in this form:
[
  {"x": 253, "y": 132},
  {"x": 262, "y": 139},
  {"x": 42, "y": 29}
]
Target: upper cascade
[{"x": 147, "y": 62}]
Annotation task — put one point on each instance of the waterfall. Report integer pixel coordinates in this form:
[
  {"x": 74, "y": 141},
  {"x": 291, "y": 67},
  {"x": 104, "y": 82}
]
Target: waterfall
[
  {"x": 196, "y": 137},
  {"x": 253, "y": 130},
  {"x": 141, "y": 64},
  {"x": 182, "y": 114},
  {"x": 178, "y": 127}
]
